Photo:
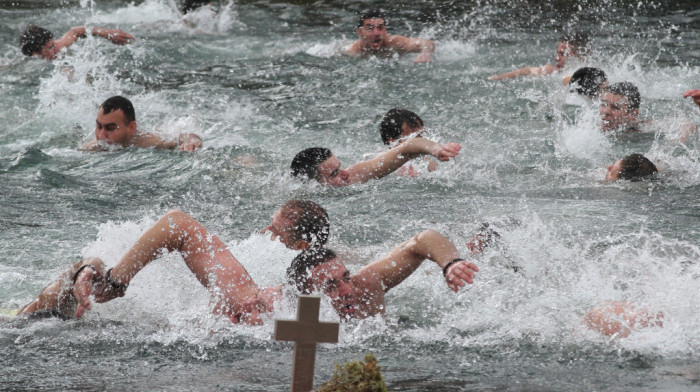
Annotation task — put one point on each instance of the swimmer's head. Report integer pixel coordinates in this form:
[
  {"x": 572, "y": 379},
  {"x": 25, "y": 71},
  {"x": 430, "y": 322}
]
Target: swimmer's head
[
  {"x": 588, "y": 81},
  {"x": 300, "y": 225},
  {"x": 116, "y": 120},
  {"x": 633, "y": 167},
  {"x": 619, "y": 105},
  {"x": 571, "y": 45},
  {"x": 34, "y": 39},
  {"x": 399, "y": 123},
  {"x": 317, "y": 163},
  {"x": 371, "y": 27}
]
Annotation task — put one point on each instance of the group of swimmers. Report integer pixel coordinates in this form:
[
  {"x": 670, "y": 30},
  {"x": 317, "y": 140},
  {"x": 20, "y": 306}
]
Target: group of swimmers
[{"x": 304, "y": 225}]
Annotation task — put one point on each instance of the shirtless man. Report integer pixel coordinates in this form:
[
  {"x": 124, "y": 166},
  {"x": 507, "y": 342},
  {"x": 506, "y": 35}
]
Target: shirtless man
[
  {"x": 116, "y": 125},
  {"x": 321, "y": 164},
  {"x": 236, "y": 295},
  {"x": 374, "y": 40},
  {"x": 39, "y": 41},
  {"x": 619, "y": 108},
  {"x": 633, "y": 167},
  {"x": 396, "y": 127},
  {"x": 574, "y": 45}
]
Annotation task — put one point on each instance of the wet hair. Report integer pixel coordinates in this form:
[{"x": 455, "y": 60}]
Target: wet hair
[
  {"x": 578, "y": 40},
  {"x": 33, "y": 39},
  {"x": 587, "y": 81},
  {"x": 635, "y": 167},
  {"x": 189, "y": 5},
  {"x": 390, "y": 127},
  {"x": 118, "y": 102},
  {"x": 375, "y": 13},
  {"x": 310, "y": 221},
  {"x": 306, "y": 162},
  {"x": 627, "y": 90},
  {"x": 298, "y": 272}
]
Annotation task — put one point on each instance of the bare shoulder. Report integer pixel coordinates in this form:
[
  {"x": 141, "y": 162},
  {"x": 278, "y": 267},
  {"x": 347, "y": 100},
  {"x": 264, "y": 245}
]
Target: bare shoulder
[{"x": 354, "y": 50}]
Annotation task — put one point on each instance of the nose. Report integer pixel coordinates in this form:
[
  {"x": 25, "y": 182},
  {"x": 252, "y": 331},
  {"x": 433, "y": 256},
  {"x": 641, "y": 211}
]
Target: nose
[
  {"x": 100, "y": 133},
  {"x": 345, "y": 290},
  {"x": 344, "y": 175},
  {"x": 610, "y": 168}
]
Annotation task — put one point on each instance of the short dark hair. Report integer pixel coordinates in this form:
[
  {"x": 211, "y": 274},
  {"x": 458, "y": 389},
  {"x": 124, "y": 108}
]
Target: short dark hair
[
  {"x": 578, "y": 40},
  {"x": 635, "y": 167},
  {"x": 374, "y": 13},
  {"x": 628, "y": 90},
  {"x": 298, "y": 272},
  {"x": 33, "y": 39},
  {"x": 189, "y": 5},
  {"x": 310, "y": 221},
  {"x": 306, "y": 162},
  {"x": 390, "y": 127},
  {"x": 587, "y": 80},
  {"x": 118, "y": 102}
]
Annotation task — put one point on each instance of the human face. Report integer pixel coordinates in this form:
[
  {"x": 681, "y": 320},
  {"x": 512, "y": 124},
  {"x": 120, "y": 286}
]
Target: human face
[
  {"x": 372, "y": 34},
  {"x": 334, "y": 280},
  {"x": 283, "y": 228},
  {"x": 615, "y": 112},
  {"x": 407, "y": 130},
  {"x": 614, "y": 171},
  {"x": 112, "y": 127},
  {"x": 330, "y": 173},
  {"x": 564, "y": 51}
]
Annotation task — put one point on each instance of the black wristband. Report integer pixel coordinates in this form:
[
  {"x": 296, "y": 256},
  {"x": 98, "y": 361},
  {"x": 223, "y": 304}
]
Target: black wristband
[
  {"x": 114, "y": 284},
  {"x": 444, "y": 269},
  {"x": 75, "y": 277}
]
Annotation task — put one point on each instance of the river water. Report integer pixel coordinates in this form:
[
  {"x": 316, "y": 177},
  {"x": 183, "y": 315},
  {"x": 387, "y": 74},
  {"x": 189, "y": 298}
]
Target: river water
[{"x": 262, "y": 80}]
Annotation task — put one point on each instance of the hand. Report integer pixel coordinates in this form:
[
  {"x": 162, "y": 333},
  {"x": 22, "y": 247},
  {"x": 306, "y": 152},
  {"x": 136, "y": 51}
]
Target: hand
[
  {"x": 695, "y": 94},
  {"x": 191, "y": 143},
  {"x": 119, "y": 37},
  {"x": 423, "y": 57},
  {"x": 82, "y": 290},
  {"x": 460, "y": 273},
  {"x": 446, "y": 151}
]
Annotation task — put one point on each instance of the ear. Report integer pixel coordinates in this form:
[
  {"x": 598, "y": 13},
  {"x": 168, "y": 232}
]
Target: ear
[
  {"x": 301, "y": 245},
  {"x": 359, "y": 31},
  {"x": 133, "y": 127}
]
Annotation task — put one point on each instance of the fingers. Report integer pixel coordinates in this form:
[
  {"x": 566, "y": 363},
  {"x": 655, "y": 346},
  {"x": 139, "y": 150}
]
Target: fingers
[
  {"x": 449, "y": 150},
  {"x": 460, "y": 274},
  {"x": 692, "y": 93},
  {"x": 82, "y": 290}
]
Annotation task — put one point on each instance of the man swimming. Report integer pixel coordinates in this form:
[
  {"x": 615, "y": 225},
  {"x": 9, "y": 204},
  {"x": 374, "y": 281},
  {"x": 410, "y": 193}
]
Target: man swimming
[
  {"x": 374, "y": 40},
  {"x": 633, "y": 167},
  {"x": 235, "y": 294},
  {"x": 396, "y": 127},
  {"x": 38, "y": 41},
  {"x": 569, "y": 46},
  {"x": 321, "y": 165},
  {"x": 116, "y": 126}
]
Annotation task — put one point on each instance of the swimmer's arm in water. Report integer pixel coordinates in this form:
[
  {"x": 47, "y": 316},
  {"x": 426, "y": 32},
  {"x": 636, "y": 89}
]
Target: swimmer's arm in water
[
  {"x": 389, "y": 161},
  {"x": 405, "y": 259},
  {"x": 67, "y": 298},
  {"x": 528, "y": 71},
  {"x": 185, "y": 141},
  {"x": 619, "y": 318},
  {"x": 403, "y": 45}
]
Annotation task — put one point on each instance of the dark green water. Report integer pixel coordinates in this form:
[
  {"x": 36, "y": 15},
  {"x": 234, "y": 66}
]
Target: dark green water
[{"x": 262, "y": 79}]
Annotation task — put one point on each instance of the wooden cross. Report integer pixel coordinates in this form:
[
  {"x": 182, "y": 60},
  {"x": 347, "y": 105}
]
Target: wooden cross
[{"x": 305, "y": 332}]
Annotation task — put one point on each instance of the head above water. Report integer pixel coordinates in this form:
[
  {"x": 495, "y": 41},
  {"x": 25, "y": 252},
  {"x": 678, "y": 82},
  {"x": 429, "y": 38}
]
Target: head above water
[
  {"x": 116, "y": 121},
  {"x": 633, "y": 167},
  {"x": 34, "y": 39},
  {"x": 310, "y": 223},
  {"x": 619, "y": 106},
  {"x": 371, "y": 29},
  {"x": 588, "y": 81},
  {"x": 375, "y": 13},
  {"x": 305, "y": 163},
  {"x": 299, "y": 272},
  {"x": 398, "y": 123},
  {"x": 578, "y": 42}
]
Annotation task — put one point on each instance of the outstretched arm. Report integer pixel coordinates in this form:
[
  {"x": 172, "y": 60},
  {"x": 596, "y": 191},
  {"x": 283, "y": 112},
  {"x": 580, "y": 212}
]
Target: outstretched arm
[
  {"x": 68, "y": 296},
  {"x": 405, "y": 259},
  {"x": 528, "y": 71},
  {"x": 389, "y": 161},
  {"x": 185, "y": 141},
  {"x": 204, "y": 253},
  {"x": 620, "y": 318},
  {"x": 403, "y": 44},
  {"x": 113, "y": 35}
]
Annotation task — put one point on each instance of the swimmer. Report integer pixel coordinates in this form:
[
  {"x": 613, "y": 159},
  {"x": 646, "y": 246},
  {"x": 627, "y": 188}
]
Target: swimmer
[
  {"x": 619, "y": 318},
  {"x": 619, "y": 108},
  {"x": 397, "y": 126},
  {"x": 633, "y": 167},
  {"x": 374, "y": 40},
  {"x": 116, "y": 126},
  {"x": 569, "y": 46},
  {"x": 321, "y": 164},
  {"x": 588, "y": 82},
  {"x": 236, "y": 295},
  {"x": 38, "y": 41}
]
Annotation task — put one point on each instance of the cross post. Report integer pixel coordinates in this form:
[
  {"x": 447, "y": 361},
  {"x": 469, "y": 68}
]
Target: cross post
[{"x": 305, "y": 332}]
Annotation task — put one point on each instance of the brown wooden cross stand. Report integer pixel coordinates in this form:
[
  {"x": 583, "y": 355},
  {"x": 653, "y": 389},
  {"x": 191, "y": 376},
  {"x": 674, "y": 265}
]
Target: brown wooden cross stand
[{"x": 305, "y": 332}]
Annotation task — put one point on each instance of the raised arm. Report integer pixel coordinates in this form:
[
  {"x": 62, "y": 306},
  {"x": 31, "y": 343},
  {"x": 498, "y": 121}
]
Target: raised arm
[
  {"x": 390, "y": 160},
  {"x": 405, "y": 259},
  {"x": 403, "y": 44},
  {"x": 115, "y": 36}
]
